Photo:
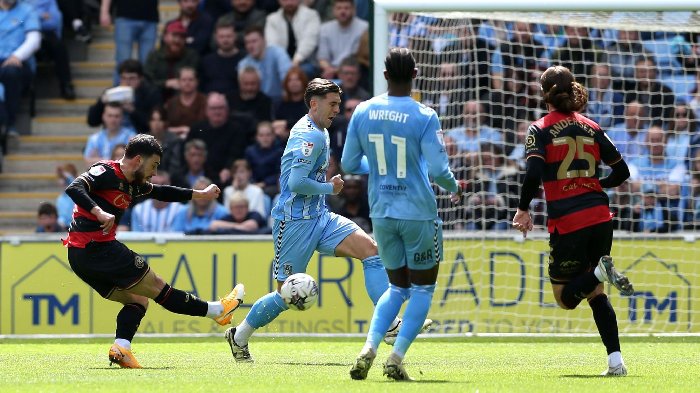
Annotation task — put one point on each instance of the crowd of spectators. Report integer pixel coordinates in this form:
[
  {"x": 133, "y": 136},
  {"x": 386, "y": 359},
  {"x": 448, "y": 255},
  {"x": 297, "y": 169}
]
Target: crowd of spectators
[{"x": 225, "y": 84}]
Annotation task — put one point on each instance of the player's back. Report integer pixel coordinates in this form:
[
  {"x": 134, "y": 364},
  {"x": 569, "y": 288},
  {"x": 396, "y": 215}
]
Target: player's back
[
  {"x": 393, "y": 133},
  {"x": 306, "y": 147},
  {"x": 572, "y": 147}
]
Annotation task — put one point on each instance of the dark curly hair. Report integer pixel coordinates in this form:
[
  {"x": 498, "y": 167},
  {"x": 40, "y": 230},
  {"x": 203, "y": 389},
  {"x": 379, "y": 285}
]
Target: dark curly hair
[{"x": 560, "y": 89}]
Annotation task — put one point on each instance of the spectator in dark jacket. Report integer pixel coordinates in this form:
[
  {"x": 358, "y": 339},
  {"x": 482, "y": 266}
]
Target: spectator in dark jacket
[
  {"x": 163, "y": 63},
  {"x": 264, "y": 157},
  {"x": 218, "y": 69},
  {"x": 250, "y": 102},
  {"x": 199, "y": 26},
  {"x": 137, "y": 112}
]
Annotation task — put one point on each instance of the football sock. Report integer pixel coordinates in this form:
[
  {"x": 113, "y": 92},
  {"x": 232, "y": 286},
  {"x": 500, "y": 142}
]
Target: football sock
[
  {"x": 214, "y": 309},
  {"x": 181, "y": 302},
  {"x": 376, "y": 279},
  {"x": 128, "y": 321},
  {"x": 385, "y": 312},
  {"x": 126, "y": 344},
  {"x": 265, "y": 310},
  {"x": 606, "y": 321},
  {"x": 614, "y": 359},
  {"x": 413, "y": 317},
  {"x": 243, "y": 333},
  {"x": 599, "y": 274},
  {"x": 577, "y": 289}
]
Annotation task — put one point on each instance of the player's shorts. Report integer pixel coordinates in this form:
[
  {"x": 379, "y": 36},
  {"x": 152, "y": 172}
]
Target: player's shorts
[
  {"x": 578, "y": 252},
  {"x": 107, "y": 266},
  {"x": 296, "y": 240},
  {"x": 413, "y": 243}
]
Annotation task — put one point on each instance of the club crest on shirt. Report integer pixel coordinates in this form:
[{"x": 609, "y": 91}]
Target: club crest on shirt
[
  {"x": 97, "y": 170},
  {"x": 307, "y": 148}
]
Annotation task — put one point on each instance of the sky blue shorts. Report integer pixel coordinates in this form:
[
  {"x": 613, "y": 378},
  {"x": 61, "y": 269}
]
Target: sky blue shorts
[
  {"x": 296, "y": 241},
  {"x": 412, "y": 243}
]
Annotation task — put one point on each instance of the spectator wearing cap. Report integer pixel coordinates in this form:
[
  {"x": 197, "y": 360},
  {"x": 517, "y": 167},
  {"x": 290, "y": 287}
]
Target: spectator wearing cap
[
  {"x": 198, "y": 25},
  {"x": 163, "y": 64},
  {"x": 135, "y": 22}
]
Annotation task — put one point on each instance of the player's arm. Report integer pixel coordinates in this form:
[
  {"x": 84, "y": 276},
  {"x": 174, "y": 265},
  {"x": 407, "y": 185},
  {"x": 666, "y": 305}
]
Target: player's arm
[
  {"x": 611, "y": 156},
  {"x": 433, "y": 149},
  {"x": 353, "y": 159},
  {"x": 304, "y": 155},
  {"x": 79, "y": 191},
  {"x": 535, "y": 153},
  {"x": 167, "y": 193}
]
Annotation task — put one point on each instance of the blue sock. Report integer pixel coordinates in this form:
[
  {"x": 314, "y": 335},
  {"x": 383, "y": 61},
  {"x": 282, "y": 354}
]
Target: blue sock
[
  {"x": 265, "y": 310},
  {"x": 386, "y": 310},
  {"x": 376, "y": 279},
  {"x": 413, "y": 317}
]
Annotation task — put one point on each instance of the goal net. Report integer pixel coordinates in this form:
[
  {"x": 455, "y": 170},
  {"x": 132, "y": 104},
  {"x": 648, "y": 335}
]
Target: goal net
[{"x": 480, "y": 72}]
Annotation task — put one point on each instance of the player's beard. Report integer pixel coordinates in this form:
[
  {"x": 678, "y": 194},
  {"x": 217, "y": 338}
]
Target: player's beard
[{"x": 140, "y": 175}]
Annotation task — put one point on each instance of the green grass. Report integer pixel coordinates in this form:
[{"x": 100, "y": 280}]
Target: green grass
[{"x": 321, "y": 365}]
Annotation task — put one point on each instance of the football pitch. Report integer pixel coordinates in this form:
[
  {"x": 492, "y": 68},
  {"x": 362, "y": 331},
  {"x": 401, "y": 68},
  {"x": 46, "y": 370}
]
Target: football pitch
[{"x": 322, "y": 365}]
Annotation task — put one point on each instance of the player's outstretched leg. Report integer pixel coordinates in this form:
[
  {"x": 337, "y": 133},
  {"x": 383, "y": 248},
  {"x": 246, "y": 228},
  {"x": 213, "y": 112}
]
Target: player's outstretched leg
[
  {"x": 606, "y": 321},
  {"x": 264, "y": 311},
  {"x": 615, "y": 278},
  {"x": 181, "y": 302},
  {"x": 128, "y": 321}
]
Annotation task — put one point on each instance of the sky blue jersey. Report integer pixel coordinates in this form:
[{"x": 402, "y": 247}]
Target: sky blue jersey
[
  {"x": 303, "y": 186},
  {"x": 403, "y": 145}
]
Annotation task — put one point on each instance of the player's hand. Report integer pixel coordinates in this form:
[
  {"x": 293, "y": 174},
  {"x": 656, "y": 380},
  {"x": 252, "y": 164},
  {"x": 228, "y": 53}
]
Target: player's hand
[
  {"x": 523, "y": 222},
  {"x": 106, "y": 219},
  {"x": 338, "y": 184},
  {"x": 105, "y": 19},
  {"x": 12, "y": 61},
  {"x": 455, "y": 197},
  {"x": 209, "y": 193}
]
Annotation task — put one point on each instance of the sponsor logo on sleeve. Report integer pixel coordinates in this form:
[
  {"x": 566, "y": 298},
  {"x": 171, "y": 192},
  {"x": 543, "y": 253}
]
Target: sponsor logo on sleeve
[
  {"x": 97, "y": 170},
  {"x": 307, "y": 148}
]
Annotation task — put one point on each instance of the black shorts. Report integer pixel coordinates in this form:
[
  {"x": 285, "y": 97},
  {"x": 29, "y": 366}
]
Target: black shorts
[
  {"x": 107, "y": 266},
  {"x": 578, "y": 252}
]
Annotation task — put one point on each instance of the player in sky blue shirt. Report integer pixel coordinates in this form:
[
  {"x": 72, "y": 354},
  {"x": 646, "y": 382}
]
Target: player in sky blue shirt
[
  {"x": 399, "y": 141},
  {"x": 303, "y": 224}
]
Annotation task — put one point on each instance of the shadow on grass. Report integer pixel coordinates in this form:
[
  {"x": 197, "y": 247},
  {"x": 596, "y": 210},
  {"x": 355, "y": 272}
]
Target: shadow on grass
[
  {"x": 328, "y": 364},
  {"x": 142, "y": 368},
  {"x": 581, "y": 376}
]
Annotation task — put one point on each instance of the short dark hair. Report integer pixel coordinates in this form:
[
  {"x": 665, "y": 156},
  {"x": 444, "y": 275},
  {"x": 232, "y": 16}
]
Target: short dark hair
[
  {"x": 116, "y": 105},
  {"x": 254, "y": 29},
  {"x": 48, "y": 209},
  {"x": 399, "y": 64},
  {"x": 143, "y": 145},
  {"x": 319, "y": 87},
  {"x": 224, "y": 23},
  {"x": 560, "y": 89},
  {"x": 130, "y": 66}
]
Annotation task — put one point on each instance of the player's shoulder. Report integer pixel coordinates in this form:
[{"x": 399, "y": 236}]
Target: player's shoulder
[
  {"x": 583, "y": 119},
  {"x": 101, "y": 167}
]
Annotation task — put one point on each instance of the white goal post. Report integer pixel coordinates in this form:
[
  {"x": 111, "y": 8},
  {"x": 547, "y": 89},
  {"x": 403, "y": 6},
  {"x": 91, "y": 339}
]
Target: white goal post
[{"x": 491, "y": 281}]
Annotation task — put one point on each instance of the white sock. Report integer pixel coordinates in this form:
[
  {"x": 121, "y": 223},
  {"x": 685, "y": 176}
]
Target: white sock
[
  {"x": 243, "y": 333},
  {"x": 77, "y": 23},
  {"x": 395, "y": 357},
  {"x": 614, "y": 359},
  {"x": 126, "y": 343},
  {"x": 369, "y": 349},
  {"x": 598, "y": 274},
  {"x": 215, "y": 309},
  {"x": 394, "y": 324}
]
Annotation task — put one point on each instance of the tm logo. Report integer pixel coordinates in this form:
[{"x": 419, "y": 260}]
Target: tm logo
[
  {"x": 53, "y": 305},
  {"x": 649, "y": 302}
]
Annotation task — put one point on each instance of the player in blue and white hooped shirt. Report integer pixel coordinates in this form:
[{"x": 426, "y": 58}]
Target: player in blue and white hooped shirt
[
  {"x": 399, "y": 142},
  {"x": 302, "y": 223}
]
